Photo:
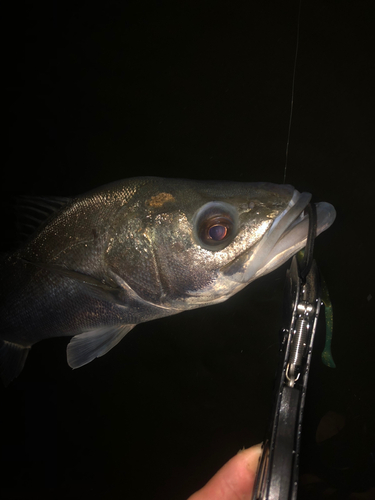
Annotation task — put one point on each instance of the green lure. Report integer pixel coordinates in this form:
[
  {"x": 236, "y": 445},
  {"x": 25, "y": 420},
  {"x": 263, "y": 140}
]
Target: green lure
[
  {"x": 325, "y": 298},
  {"x": 326, "y": 354}
]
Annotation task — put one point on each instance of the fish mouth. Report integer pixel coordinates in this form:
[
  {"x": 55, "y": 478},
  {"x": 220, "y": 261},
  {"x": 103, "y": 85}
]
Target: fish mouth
[{"x": 285, "y": 237}]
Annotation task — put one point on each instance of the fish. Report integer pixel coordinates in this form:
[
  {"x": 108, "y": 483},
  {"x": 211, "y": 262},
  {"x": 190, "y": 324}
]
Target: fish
[{"x": 138, "y": 249}]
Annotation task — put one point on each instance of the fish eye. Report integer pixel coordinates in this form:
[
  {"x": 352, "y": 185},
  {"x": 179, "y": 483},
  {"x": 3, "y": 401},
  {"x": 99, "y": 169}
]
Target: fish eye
[{"x": 215, "y": 225}]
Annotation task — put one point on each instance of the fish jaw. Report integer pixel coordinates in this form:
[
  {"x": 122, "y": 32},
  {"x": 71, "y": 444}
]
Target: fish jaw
[
  {"x": 285, "y": 237},
  {"x": 295, "y": 238}
]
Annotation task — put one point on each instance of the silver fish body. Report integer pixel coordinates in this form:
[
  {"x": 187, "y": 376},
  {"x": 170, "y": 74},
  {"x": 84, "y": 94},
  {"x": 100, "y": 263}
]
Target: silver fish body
[{"x": 140, "y": 249}]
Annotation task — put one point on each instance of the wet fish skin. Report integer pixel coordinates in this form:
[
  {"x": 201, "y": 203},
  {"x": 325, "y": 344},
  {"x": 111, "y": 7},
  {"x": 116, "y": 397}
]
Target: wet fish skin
[{"x": 136, "y": 250}]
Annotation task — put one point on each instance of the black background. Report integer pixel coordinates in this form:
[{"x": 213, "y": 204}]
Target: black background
[{"x": 201, "y": 90}]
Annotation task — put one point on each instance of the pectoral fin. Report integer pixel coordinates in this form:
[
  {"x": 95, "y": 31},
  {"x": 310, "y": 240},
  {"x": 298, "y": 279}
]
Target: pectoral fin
[
  {"x": 87, "y": 346},
  {"x": 12, "y": 360}
]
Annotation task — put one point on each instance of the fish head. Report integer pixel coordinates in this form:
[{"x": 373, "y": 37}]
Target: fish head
[{"x": 183, "y": 244}]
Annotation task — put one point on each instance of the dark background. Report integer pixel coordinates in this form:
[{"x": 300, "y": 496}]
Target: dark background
[{"x": 201, "y": 90}]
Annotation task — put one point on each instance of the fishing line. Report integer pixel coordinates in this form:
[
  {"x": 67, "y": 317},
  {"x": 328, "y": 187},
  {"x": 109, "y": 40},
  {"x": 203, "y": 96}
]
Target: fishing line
[{"x": 292, "y": 98}]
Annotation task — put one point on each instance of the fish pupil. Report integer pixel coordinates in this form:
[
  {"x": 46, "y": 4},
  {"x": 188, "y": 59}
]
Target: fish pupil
[{"x": 218, "y": 232}]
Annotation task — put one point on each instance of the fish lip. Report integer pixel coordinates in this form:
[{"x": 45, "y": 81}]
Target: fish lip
[
  {"x": 286, "y": 236},
  {"x": 294, "y": 238}
]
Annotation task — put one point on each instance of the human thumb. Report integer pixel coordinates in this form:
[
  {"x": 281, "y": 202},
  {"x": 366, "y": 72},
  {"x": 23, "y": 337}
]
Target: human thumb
[{"x": 235, "y": 480}]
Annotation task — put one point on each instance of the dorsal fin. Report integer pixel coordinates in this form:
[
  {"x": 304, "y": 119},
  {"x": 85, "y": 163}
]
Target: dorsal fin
[{"x": 33, "y": 211}]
